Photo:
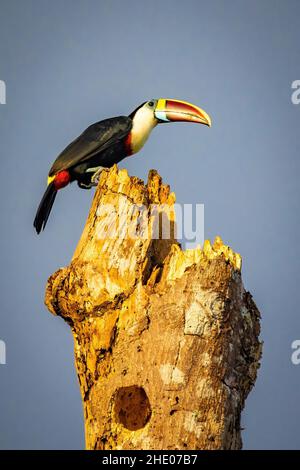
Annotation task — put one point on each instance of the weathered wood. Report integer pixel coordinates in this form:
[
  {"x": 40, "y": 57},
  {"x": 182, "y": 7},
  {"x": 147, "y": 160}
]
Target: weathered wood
[{"x": 166, "y": 341}]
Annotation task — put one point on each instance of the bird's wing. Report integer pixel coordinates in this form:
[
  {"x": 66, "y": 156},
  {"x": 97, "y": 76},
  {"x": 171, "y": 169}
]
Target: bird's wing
[{"x": 96, "y": 138}]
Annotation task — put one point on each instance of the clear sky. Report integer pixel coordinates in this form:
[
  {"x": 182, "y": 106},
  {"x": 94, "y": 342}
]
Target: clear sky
[{"x": 67, "y": 64}]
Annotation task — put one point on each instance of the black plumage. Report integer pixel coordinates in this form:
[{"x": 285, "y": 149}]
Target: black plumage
[
  {"x": 44, "y": 208},
  {"x": 101, "y": 144},
  {"x": 96, "y": 146}
]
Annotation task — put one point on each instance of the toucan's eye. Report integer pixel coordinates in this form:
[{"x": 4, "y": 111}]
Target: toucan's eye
[{"x": 151, "y": 104}]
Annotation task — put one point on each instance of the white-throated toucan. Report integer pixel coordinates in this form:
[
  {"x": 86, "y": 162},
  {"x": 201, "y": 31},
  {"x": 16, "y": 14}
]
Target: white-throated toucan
[{"x": 107, "y": 142}]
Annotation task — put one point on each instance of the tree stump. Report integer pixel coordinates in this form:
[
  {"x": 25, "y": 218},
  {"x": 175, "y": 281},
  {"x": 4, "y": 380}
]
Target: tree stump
[{"x": 166, "y": 341}]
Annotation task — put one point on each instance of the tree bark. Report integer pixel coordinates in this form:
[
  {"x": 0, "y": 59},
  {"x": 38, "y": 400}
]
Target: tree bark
[{"x": 166, "y": 341}]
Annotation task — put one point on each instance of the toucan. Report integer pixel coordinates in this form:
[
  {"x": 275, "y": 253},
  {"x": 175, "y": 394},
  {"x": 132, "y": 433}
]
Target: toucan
[{"x": 108, "y": 142}]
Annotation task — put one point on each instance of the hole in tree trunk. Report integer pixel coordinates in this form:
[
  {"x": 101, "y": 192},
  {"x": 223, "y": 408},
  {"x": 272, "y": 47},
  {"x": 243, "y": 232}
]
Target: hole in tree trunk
[{"x": 132, "y": 407}]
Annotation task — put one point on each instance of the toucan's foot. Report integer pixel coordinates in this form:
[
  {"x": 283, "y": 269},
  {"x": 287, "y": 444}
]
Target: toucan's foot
[
  {"x": 90, "y": 178},
  {"x": 96, "y": 176}
]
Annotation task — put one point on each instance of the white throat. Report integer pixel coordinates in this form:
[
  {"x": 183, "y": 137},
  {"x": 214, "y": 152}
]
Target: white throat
[{"x": 143, "y": 123}]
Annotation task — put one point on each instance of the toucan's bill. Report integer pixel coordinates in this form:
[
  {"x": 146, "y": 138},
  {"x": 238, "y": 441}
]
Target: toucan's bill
[{"x": 169, "y": 110}]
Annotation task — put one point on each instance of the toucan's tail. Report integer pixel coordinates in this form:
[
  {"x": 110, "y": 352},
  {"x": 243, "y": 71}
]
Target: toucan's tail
[{"x": 44, "y": 208}]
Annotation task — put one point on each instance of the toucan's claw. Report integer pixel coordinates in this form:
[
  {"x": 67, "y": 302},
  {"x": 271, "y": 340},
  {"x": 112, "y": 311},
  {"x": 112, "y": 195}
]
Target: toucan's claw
[
  {"x": 96, "y": 176},
  {"x": 84, "y": 186}
]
